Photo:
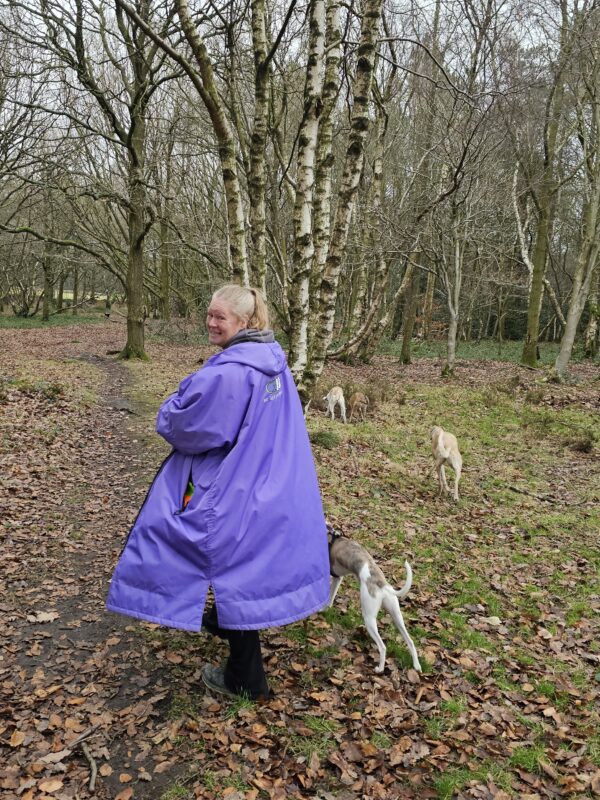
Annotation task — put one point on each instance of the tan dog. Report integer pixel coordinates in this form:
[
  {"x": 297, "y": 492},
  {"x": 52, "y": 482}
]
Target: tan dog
[
  {"x": 334, "y": 398},
  {"x": 445, "y": 451},
  {"x": 359, "y": 402}
]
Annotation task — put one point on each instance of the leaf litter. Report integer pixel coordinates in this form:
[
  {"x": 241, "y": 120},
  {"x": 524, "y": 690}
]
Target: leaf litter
[{"x": 504, "y": 607}]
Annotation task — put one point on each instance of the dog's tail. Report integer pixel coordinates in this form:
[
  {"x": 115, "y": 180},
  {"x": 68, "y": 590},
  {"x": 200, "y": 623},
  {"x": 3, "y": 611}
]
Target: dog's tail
[{"x": 400, "y": 593}]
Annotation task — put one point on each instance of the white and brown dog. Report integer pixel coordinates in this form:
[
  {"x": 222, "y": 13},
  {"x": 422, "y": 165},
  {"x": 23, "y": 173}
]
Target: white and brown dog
[
  {"x": 445, "y": 451},
  {"x": 335, "y": 397},
  {"x": 349, "y": 557}
]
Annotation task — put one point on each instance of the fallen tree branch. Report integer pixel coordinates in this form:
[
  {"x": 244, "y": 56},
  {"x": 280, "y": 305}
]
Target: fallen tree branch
[
  {"x": 547, "y": 499},
  {"x": 543, "y": 497},
  {"x": 93, "y": 766},
  {"x": 85, "y": 735}
]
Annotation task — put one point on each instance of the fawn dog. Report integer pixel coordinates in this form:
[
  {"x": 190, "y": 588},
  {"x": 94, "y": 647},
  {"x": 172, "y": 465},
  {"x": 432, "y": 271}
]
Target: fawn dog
[
  {"x": 445, "y": 451},
  {"x": 358, "y": 402},
  {"x": 349, "y": 557}
]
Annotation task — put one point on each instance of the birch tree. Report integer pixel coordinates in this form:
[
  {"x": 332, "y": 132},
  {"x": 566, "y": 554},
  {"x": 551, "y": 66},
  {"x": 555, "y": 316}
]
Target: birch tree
[
  {"x": 304, "y": 248},
  {"x": 307, "y": 370}
]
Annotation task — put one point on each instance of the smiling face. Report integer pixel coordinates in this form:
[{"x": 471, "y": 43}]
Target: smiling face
[{"x": 222, "y": 323}]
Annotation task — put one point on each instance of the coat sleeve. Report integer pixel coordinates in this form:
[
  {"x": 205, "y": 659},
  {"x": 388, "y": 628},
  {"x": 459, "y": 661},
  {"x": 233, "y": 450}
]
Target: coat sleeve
[{"x": 207, "y": 411}]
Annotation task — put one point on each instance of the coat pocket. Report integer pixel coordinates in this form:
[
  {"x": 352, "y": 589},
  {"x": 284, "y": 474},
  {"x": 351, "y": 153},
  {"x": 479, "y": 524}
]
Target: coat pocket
[{"x": 188, "y": 493}]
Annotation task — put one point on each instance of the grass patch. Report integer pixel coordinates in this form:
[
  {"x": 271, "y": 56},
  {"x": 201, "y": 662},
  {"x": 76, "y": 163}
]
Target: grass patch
[
  {"x": 459, "y": 634},
  {"x": 320, "y": 741},
  {"x": 528, "y": 758},
  {"x": 326, "y": 439},
  {"x": 55, "y": 321},
  {"x": 484, "y": 350},
  {"x": 593, "y": 746},
  {"x": 238, "y": 704},
  {"x": 454, "y": 707},
  {"x": 182, "y": 705},
  {"x": 349, "y": 620},
  {"x": 49, "y": 390},
  {"x": 547, "y": 688},
  {"x": 177, "y": 792},
  {"x": 435, "y": 727},
  {"x": 381, "y": 740},
  {"x": 450, "y": 782}
]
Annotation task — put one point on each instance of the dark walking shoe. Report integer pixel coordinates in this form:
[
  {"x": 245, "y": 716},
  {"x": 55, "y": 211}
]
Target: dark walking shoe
[{"x": 214, "y": 678}]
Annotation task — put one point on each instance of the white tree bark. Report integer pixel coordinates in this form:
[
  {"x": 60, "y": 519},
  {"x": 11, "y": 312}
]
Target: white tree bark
[
  {"x": 353, "y": 164},
  {"x": 303, "y": 231},
  {"x": 452, "y": 280}
]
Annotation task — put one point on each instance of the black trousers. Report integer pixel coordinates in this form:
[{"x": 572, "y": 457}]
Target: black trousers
[{"x": 244, "y": 670}]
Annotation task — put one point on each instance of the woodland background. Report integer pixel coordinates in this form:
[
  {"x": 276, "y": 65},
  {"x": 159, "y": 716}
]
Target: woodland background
[{"x": 378, "y": 168}]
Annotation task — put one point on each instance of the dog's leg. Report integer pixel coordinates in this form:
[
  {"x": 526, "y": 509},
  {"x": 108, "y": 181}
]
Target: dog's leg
[
  {"x": 444, "y": 481},
  {"x": 392, "y": 606},
  {"x": 334, "y": 585},
  {"x": 456, "y": 480},
  {"x": 457, "y": 467},
  {"x": 370, "y": 607},
  {"x": 439, "y": 467}
]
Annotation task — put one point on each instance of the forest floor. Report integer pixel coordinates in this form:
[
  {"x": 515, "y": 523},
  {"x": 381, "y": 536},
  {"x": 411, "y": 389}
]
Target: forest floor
[{"x": 504, "y": 608}]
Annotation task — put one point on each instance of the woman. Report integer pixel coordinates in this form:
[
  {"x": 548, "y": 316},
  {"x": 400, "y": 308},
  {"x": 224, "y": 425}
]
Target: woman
[{"x": 236, "y": 504}]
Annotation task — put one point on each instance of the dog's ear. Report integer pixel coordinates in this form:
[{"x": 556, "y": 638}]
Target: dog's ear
[{"x": 332, "y": 534}]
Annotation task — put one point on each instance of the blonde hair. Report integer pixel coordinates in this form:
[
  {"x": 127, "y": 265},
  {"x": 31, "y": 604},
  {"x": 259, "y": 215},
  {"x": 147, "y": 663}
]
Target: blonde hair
[{"x": 247, "y": 302}]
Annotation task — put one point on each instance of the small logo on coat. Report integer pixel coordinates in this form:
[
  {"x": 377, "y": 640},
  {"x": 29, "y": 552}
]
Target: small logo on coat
[{"x": 273, "y": 389}]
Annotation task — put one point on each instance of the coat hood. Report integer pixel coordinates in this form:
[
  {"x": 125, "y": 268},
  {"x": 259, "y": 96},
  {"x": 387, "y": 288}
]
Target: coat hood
[{"x": 267, "y": 357}]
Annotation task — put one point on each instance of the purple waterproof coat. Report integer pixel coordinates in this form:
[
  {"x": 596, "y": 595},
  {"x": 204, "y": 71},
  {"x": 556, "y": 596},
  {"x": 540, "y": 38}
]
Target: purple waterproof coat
[{"x": 254, "y": 529}]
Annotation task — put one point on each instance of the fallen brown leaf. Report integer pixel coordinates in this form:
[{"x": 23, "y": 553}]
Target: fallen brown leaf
[
  {"x": 17, "y": 738},
  {"x": 50, "y": 785}
]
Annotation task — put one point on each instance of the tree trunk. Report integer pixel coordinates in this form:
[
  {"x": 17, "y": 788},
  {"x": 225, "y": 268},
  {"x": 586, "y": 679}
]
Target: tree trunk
[
  {"x": 409, "y": 316},
  {"x": 322, "y": 194},
  {"x": 257, "y": 178},
  {"x": 368, "y": 346},
  {"x": 582, "y": 280},
  {"x": 592, "y": 329},
  {"x": 546, "y": 198},
  {"x": 451, "y": 344},
  {"x": 427, "y": 312},
  {"x": 61, "y": 289},
  {"x": 207, "y": 88},
  {"x": 536, "y": 292},
  {"x": 303, "y": 232},
  {"x": 165, "y": 271},
  {"x": 75, "y": 291},
  {"x": 353, "y": 164},
  {"x": 373, "y": 248},
  {"x": 453, "y": 284},
  {"x": 136, "y": 223},
  {"x": 48, "y": 287}
]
